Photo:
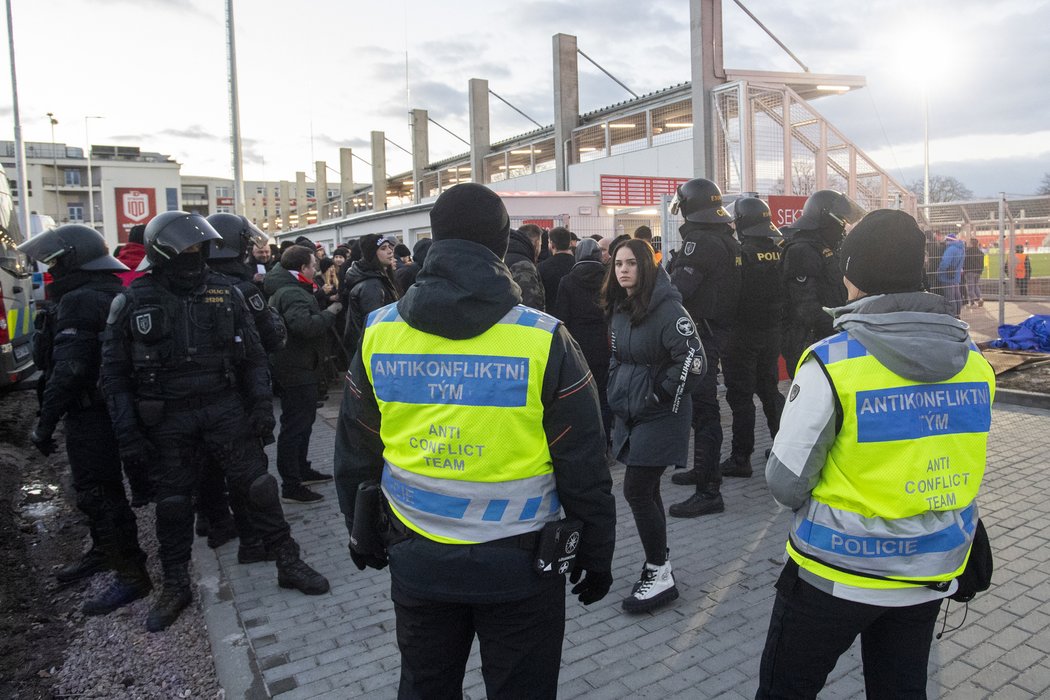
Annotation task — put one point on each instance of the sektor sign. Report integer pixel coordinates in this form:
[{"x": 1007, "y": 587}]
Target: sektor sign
[{"x": 135, "y": 205}]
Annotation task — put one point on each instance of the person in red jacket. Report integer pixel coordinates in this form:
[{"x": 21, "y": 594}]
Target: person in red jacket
[{"x": 131, "y": 254}]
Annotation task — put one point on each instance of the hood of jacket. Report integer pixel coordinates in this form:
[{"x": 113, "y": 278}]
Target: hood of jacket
[
  {"x": 912, "y": 334},
  {"x": 663, "y": 289},
  {"x": 359, "y": 272},
  {"x": 520, "y": 244},
  {"x": 462, "y": 290},
  {"x": 589, "y": 273}
]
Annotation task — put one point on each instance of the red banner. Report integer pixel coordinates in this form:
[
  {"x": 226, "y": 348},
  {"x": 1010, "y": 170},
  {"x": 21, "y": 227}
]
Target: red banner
[
  {"x": 542, "y": 223},
  {"x": 135, "y": 205},
  {"x": 637, "y": 191},
  {"x": 786, "y": 209}
]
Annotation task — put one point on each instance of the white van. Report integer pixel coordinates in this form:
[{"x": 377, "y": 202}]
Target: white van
[{"x": 17, "y": 307}]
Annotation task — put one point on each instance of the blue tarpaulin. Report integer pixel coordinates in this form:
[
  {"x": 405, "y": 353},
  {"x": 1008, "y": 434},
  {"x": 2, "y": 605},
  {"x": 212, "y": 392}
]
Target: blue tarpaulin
[{"x": 1031, "y": 334}]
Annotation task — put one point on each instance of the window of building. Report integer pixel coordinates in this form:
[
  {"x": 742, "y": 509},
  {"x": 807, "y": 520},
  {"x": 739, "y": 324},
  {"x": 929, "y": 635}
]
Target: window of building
[
  {"x": 222, "y": 192},
  {"x": 73, "y": 178},
  {"x": 223, "y": 210},
  {"x": 75, "y": 212}
]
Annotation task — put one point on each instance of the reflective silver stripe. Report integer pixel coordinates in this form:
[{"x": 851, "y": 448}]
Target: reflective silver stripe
[
  {"x": 921, "y": 565},
  {"x": 491, "y": 510},
  {"x": 513, "y": 315}
]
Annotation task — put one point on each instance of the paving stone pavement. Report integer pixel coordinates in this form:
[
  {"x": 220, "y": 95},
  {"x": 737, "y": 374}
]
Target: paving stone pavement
[{"x": 705, "y": 645}]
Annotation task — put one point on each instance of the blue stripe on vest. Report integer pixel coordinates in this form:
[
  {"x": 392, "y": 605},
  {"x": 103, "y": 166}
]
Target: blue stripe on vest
[
  {"x": 426, "y": 501},
  {"x": 459, "y": 380},
  {"x": 383, "y": 314},
  {"x": 842, "y": 544},
  {"x": 910, "y": 412},
  {"x": 531, "y": 318},
  {"x": 839, "y": 347}
]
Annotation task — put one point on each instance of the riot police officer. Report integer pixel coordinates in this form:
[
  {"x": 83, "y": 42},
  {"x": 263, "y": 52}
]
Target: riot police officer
[
  {"x": 707, "y": 273},
  {"x": 230, "y": 257},
  {"x": 180, "y": 363},
  {"x": 750, "y": 363},
  {"x": 810, "y": 270},
  {"x": 84, "y": 285}
]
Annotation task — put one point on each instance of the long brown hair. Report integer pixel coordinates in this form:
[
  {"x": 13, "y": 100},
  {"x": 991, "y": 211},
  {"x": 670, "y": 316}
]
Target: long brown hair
[{"x": 615, "y": 298}]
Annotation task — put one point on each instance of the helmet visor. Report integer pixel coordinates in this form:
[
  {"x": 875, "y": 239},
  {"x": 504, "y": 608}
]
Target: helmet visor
[
  {"x": 676, "y": 202},
  {"x": 847, "y": 212},
  {"x": 254, "y": 236},
  {"x": 45, "y": 248}
]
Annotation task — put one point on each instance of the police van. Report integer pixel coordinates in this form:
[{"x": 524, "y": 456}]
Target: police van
[{"x": 16, "y": 296}]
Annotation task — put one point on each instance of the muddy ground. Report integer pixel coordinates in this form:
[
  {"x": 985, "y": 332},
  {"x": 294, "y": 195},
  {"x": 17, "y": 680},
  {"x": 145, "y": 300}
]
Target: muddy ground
[
  {"x": 39, "y": 531},
  {"x": 1032, "y": 378}
]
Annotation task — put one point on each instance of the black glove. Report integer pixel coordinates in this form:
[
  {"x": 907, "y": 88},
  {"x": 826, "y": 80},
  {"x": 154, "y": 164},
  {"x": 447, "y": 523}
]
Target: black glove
[
  {"x": 261, "y": 420},
  {"x": 594, "y": 586},
  {"x": 137, "y": 450},
  {"x": 43, "y": 441},
  {"x": 364, "y": 560}
]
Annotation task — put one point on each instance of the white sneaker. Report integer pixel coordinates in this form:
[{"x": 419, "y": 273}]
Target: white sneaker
[{"x": 654, "y": 589}]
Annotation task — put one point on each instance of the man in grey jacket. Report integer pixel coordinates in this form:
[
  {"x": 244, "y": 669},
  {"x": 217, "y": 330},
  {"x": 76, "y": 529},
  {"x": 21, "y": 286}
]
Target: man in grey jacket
[{"x": 880, "y": 454}]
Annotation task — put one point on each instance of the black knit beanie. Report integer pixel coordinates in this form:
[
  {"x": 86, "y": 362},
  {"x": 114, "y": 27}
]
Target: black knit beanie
[
  {"x": 884, "y": 253},
  {"x": 371, "y": 243},
  {"x": 471, "y": 212}
]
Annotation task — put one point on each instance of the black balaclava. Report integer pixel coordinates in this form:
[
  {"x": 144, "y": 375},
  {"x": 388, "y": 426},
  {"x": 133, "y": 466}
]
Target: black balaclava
[{"x": 184, "y": 272}]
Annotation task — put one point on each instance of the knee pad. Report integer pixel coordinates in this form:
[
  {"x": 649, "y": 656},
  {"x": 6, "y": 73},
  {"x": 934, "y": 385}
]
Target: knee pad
[
  {"x": 174, "y": 509},
  {"x": 262, "y": 492}
]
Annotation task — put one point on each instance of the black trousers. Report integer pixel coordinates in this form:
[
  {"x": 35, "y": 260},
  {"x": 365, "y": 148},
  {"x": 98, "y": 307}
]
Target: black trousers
[
  {"x": 98, "y": 480},
  {"x": 298, "y": 412},
  {"x": 217, "y": 502},
  {"x": 809, "y": 630},
  {"x": 750, "y": 367},
  {"x": 186, "y": 440},
  {"x": 520, "y": 644},
  {"x": 641, "y": 490},
  {"x": 707, "y": 422}
]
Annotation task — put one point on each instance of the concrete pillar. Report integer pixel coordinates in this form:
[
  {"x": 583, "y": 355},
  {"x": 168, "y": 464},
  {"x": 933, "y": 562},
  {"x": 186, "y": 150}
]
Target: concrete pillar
[
  {"x": 480, "y": 143},
  {"x": 566, "y": 103},
  {"x": 286, "y": 205},
  {"x": 346, "y": 181},
  {"x": 705, "y": 41},
  {"x": 420, "y": 151},
  {"x": 321, "y": 189},
  {"x": 272, "y": 202},
  {"x": 378, "y": 171},
  {"x": 302, "y": 202}
]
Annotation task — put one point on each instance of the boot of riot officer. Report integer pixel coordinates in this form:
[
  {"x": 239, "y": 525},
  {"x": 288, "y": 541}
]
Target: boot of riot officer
[
  {"x": 810, "y": 270},
  {"x": 707, "y": 273},
  {"x": 85, "y": 283}
]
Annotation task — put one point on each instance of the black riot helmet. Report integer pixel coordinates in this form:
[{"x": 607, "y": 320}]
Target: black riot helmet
[
  {"x": 752, "y": 218},
  {"x": 828, "y": 210},
  {"x": 72, "y": 247},
  {"x": 700, "y": 201},
  {"x": 239, "y": 235},
  {"x": 171, "y": 233}
]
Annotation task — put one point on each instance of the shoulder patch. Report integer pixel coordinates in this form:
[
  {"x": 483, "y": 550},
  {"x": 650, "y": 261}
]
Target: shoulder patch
[
  {"x": 689, "y": 247},
  {"x": 793, "y": 393},
  {"x": 685, "y": 326},
  {"x": 257, "y": 302}
]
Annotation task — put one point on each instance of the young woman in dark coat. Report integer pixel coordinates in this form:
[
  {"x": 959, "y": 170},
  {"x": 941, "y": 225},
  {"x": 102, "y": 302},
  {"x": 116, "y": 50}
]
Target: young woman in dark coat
[
  {"x": 369, "y": 285},
  {"x": 657, "y": 361},
  {"x": 578, "y": 306}
]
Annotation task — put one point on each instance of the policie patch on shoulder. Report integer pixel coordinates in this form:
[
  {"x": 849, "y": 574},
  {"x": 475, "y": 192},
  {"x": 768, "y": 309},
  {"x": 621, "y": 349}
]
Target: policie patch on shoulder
[
  {"x": 689, "y": 247},
  {"x": 793, "y": 393},
  {"x": 256, "y": 301}
]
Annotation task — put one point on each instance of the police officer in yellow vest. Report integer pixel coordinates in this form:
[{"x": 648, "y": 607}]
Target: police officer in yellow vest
[
  {"x": 880, "y": 455},
  {"x": 480, "y": 419}
]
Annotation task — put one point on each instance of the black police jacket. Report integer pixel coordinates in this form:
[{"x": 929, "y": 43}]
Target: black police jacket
[
  {"x": 272, "y": 332},
  {"x": 176, "y": 347},
  {"x": 72, "y": 333},
  {"x": 761, "y": 303},
  {"x": 813, "y": 280},
  {"x": 462, "y": 291},
  {"x": 706, "y": 272}
]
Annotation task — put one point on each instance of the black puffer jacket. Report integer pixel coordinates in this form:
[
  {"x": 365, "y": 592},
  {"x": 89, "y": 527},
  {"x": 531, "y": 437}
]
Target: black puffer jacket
[
  {"x": 521, "y": 261},
  {"x": 461, "y": 292},
  {"x": 577, "y": 306},
  {"x": 655, "y": 366},
  {"x": 367, "y": 289}
]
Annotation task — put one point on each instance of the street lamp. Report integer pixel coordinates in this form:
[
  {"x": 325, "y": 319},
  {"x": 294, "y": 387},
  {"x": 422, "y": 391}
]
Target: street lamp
[
  {"x": 54, "y": 164},
  {"x": 91, "y": 183}
]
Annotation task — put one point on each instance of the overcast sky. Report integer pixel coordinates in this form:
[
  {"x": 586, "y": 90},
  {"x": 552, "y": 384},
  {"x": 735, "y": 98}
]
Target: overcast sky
[{"x": 319, "y": 74}]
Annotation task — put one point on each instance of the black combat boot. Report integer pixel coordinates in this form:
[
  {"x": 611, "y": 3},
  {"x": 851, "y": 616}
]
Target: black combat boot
[
  {"x": 221, "y": 532},
  {"x": 132, "y": 582},
  {"x": 685, "y": 478},
  {"x": 173, "y": 598},
  {"x": 293, "y": 572},
  {"x": 92, "y": 562},
  {"x": 700, "y": 503},
  {"x": 737, "y": 467}
]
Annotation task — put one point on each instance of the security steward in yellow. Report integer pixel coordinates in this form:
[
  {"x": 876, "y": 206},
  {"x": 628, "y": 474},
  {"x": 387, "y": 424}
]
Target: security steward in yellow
[
  {"x": 480, "y": 418},
  {"x": 880, "y": 454}
]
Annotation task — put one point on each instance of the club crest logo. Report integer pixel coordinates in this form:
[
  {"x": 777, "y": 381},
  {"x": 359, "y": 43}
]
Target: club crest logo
[
  {"x": 685, "y": 326},
  {"x": 572, "y": 543},
  {"x": 136, "y": 205}
]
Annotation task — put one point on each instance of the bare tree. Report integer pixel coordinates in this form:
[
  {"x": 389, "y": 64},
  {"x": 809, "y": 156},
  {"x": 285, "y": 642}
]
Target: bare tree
[
  {"x": 942, "y": 189},
  {"x": 1044, "y": 186},
  {"x": 803, "y": 177}
]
